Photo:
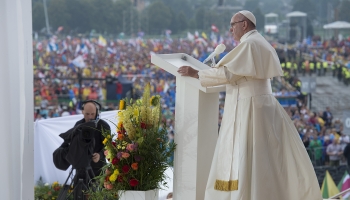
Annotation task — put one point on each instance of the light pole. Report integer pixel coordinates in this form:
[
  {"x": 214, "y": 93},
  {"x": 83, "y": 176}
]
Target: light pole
[{"x": 46, "y": 18}]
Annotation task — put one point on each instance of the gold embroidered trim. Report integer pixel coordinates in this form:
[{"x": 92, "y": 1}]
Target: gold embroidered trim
[{"x": 230, "y": 185}]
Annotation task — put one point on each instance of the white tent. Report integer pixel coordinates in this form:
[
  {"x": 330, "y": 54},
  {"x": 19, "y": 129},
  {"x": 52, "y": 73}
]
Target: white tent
[
  {"x": 337, "y": 25},
  {"x": 296, "y": 14},
  {"x": 271, "y": 15}
]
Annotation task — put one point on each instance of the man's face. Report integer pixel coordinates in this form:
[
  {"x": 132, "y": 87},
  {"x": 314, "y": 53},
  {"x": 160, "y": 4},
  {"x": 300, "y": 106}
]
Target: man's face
[
  {"x": 89, "y": 112},
  {"x": 236, "y": 27}
]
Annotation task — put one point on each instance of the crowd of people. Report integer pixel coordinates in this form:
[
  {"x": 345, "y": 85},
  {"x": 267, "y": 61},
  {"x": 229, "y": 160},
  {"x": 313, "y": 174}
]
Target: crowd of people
[
  {"x": 321, "y": 133},
  {"x": 59, "y": 64},
  {"x": 69, "y": 70}
]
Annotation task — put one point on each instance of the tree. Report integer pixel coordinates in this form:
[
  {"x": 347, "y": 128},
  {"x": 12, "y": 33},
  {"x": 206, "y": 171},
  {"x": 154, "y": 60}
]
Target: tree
[
  {"x": 38, "y": 15},
  {"x": 58, "y": 14},
  {"x": 305, "y": 6},
  {"x": 80, "y": 20},
  {"x": 260, "y": 19},
  {"x": 200, "y": 18},
  {"x": 344, "y": 12},
  {"x": 159, "y": 17},
  {"x": 182, "y": 21},
  {"x": 251, "y": 5}
]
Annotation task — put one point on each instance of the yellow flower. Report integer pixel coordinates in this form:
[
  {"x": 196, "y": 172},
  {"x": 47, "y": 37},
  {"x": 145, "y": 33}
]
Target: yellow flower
[
  {"x": 151, "y": 100},
  {"x": 136, "y": 112},
  {"x": 121, "y": 104},
  {"x": 120, "y": 116},
  {"x": 108, "y": 136},
  {"x": 112, "y": 178},
  {"x": 120, "y": 123},
  {"x": 116, "y": 172},
  {"x": 155, "y": 100},
  {"x": 105, "y": 141}
]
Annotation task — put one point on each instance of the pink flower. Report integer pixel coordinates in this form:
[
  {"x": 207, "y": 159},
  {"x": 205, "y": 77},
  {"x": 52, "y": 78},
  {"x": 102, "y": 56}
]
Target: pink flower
[
  {"x": 106, "y": 152},
  {"x": 125, "y": 155},
  {"x": 130, "y": 147},
  {"x": 108, "y": 186},
  {"x": 119, "y": 155}
]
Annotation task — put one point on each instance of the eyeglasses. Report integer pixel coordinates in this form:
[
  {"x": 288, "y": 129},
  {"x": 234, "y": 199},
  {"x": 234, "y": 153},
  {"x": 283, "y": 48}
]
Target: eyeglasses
[{"x": 233, "y": 23}]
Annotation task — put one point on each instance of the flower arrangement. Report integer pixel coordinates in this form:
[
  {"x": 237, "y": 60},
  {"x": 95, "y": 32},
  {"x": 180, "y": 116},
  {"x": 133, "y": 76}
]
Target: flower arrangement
[
  {"x": 46, "y": 191},
  {"x": 139, "y": 152}
]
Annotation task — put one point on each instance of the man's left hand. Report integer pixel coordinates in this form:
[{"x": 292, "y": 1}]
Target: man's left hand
[
  {"x": 188, "y": 71},
  {"x": 95, "y": 157}
]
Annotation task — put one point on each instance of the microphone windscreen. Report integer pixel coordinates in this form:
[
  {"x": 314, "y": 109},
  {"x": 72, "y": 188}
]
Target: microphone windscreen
[{"x": 220, "y": 48}]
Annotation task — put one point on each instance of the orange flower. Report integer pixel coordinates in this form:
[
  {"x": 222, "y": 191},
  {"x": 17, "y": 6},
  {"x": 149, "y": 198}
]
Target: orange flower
[
  {"x": 135, "y": 166},
  {"x": 120, "y": 136}
]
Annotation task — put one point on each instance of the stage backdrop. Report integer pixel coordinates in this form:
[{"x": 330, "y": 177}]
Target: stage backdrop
[{"x": 47, "y": 140}]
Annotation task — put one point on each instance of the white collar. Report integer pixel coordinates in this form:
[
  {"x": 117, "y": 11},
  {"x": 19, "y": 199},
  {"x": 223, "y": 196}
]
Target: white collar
[{"x": 247, "y": 34}]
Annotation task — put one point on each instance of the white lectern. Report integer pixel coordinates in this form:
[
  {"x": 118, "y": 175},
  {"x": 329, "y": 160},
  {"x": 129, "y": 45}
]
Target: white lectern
[{"x": 196, "y": 126}]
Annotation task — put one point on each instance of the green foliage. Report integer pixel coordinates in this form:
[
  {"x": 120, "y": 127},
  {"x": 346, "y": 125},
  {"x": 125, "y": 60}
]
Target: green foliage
[
  {"x": 306, "y": 6},
  {"x": 200, "y": 18},
  {"x": 182, "y": 21},
  {"x": 38, "y": 15},
  {"x": 46, "y": 191},
  {"x": 260, "y": 19},
  {"x": 159, "y": 16},
  {"x": 344, "y": 12},
  {"x": 116, "y": 16},
  {"x": 58, "y": 13},
  {"x": 251, "y": 5}
]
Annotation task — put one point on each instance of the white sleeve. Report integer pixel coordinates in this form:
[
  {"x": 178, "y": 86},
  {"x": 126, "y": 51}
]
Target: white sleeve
[{"x": 216, "y": 76}]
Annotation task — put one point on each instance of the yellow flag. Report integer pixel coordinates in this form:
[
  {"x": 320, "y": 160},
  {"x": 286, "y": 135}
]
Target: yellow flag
[
  {"x": 204, "y": 35},
  {"x": 329, "y": 188}
]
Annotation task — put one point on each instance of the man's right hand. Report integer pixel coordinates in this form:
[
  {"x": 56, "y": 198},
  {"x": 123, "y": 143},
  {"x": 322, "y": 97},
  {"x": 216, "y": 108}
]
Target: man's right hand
[{"x": 188, "y": 71}]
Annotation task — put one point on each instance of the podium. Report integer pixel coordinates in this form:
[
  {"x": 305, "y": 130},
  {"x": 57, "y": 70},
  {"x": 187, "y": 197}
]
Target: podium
[{"x": 196, "y": 126}]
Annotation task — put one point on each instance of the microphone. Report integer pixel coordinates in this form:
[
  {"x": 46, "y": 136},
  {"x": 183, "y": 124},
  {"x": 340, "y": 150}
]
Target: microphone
[{"x": 219, "y": 49}]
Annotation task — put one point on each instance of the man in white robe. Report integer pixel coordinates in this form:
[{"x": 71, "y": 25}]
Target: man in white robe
[{"x": 259, "y": 154}]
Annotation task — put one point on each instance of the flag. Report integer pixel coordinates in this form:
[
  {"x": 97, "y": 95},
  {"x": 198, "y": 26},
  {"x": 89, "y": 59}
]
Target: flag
[
  {"x": 204, "y": 36},
  {"x": 344, "y": 184},
  {"x": 102, "y": 41},
  {"x": 190, "y": 36},
  {"x": 328, "y": 188},
  {"x": 79, "y": 61},
  {"x": 214, "y": 28},
  {"x": 195, "y": 52},
  {"x": 196, "y": 34},
  {"x": 59, "y": 29}
]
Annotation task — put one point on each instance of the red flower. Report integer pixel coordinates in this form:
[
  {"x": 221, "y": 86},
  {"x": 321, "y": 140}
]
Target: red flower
[
  {"x": 115, "y": 161},
  {"x": 120, "y": 178},
  {"x": 143, "y": 125},
  {"x": 126, "y": 168},
  {"x": 57, "y": 188},
  {"x": 113, "y": 143},
  {"x": 133, "y": 182},
  {"x": 107, "y": 178}
]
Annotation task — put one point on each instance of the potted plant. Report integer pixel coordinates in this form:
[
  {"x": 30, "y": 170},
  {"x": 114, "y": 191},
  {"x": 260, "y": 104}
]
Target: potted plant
[{"x": 138, "y": 154}]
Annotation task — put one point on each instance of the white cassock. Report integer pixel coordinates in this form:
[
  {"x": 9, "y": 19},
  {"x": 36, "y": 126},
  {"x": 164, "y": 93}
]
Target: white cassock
[{"x": 259, "y": 154}]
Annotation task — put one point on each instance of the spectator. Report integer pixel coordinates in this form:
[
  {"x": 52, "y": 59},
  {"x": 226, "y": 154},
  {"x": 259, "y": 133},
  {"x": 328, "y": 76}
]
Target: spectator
[
  {"x": 327, "y": 117},
  {"x": 334, "y": 150},
  {"x": 347, "y": 155},
  {"x": 316, "y": 149},
  {"x": 119, "y": 90}
]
